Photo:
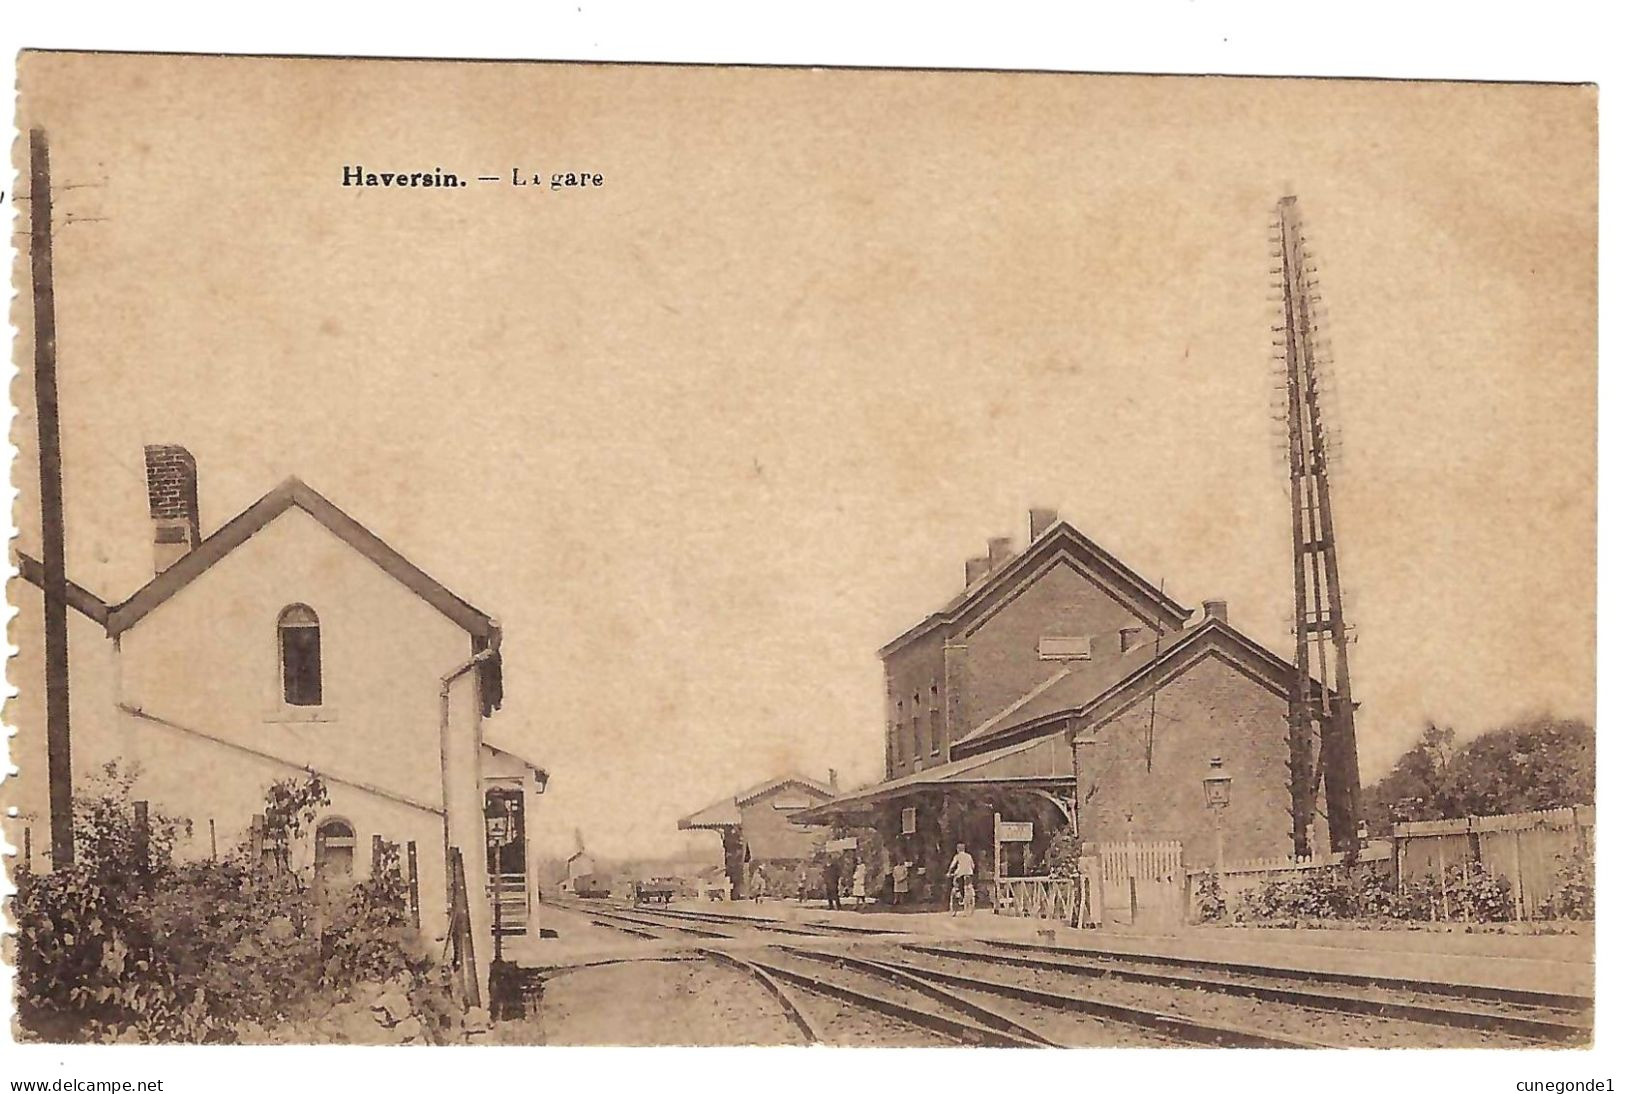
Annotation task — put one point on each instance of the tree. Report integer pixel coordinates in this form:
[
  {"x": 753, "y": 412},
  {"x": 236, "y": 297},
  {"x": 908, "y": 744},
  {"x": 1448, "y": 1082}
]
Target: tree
[{"x": 1540, "y": 763}]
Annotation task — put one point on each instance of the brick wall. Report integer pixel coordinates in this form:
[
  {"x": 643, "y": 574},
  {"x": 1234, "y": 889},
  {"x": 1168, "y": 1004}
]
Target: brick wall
[
  {"x": 770, "y": 834},
  {"x": 913, "y": 670},
  {"x": 1000, "y": 663},
  {"x": 1212, "y": 709}
]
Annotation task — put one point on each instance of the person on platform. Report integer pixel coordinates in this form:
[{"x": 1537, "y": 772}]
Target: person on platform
[
  {"x": 859, "y": 885},
  {"x": 899, "y": 884},
  {"x": 801, "y": 884},
  {"x": 758, "y": 886},
  {"x": 832, "y": 882},
  {"x": 962, "y": 879}
]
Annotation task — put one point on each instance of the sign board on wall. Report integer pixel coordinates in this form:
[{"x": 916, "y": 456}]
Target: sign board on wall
[
  {"x": 1015, "y": 831},
  {"x": 849, "y": 843},
  {"x": 908, "y": 821}
]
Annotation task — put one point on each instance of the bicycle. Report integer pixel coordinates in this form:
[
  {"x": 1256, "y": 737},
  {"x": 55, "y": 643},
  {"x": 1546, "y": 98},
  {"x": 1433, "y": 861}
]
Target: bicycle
[{"x": 961, "y": 895}]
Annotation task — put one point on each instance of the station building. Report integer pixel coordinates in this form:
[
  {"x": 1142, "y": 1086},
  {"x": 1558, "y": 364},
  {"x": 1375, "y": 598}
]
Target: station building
[
  {"x": 758, "y": 834},
  {"x": 1059, "y": 690}
]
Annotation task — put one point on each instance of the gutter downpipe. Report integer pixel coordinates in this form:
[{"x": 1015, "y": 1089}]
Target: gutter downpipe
[{"x": 445, "y": 746}]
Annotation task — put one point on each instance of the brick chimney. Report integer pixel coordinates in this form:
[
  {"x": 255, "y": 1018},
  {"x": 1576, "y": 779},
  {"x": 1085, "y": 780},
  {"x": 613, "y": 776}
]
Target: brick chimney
[
  {"x": 834, "y": 780},
  {"x": 975, "y": 570},
  {"x": 1040, "y": 521},
  {"x": 1216, "y": 609},
  {"x": 1129, "y": 638},
  {"x": 172, "y": 501},
  {"x": 999, "y": 552}
]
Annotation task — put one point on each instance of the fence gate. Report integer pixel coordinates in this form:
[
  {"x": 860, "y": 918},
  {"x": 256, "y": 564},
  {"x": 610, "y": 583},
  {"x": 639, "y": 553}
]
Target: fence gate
[{"x": 1141, "y": 883}]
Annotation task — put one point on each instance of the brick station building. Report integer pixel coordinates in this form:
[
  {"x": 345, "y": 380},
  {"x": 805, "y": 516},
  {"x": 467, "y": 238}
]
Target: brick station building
[{"x": 1033, "y": 690}]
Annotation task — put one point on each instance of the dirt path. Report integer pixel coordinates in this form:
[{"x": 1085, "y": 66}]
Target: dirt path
[{"x": 691, "y": 1002}]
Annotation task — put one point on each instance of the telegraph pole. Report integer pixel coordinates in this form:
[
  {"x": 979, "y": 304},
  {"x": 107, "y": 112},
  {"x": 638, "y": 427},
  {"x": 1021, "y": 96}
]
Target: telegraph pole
[
  {"x": 1320, "y": 629},
  {"x": 59, "y": 763}
]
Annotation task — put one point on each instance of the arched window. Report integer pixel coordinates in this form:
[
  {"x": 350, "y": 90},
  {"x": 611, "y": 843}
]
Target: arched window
[
  {"x": 299, "y": 637},
  {"x": 335, "y": 851}
]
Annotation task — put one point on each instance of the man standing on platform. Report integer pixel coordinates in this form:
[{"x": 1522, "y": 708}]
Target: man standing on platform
[{"x": 832, "y": 882}]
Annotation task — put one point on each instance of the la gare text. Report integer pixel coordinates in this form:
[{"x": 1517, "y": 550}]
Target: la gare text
[{"x": 436, "y": 178}]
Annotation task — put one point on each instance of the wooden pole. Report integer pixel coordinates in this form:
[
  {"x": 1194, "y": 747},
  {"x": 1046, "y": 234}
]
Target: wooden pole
[
  {"x": 412, "y": 881},
  {"x": 256, "y": 840},
  {"x": 28, "y": 848},
  {"x": 58, "y": 752},
  {"x": 143, "y": 844},
  {"x": 214, "y": 847},
  {"x": 377, "y": 854},
  {"x": 997, "y": 870}
]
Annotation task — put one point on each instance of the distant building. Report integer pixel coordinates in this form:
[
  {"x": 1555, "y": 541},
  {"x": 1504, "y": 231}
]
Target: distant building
[
  {"x": 579, "y": 864},
  {"x": 1032, "y": 690},
  {"x": 290, "y": 640},
  {"x": 756, "y": 829}
]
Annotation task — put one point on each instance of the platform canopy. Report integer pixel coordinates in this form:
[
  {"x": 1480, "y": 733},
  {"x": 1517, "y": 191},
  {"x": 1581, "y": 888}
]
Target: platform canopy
[{"x": 1041, "y": 764}]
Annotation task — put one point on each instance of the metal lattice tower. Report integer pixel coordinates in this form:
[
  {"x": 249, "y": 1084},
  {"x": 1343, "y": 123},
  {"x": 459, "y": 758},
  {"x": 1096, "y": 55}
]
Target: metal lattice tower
[{"x": 1321, "y": 632}]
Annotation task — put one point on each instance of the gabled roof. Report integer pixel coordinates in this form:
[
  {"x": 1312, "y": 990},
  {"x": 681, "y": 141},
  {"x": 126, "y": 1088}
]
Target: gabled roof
[
  {"x": 82, "y": 600},
  {"x": 293, "y": 493},
  {"x": 1078, "y": 700},
  {"x": 1060, "y": 541},
  {"x": 725, "y": 813}
]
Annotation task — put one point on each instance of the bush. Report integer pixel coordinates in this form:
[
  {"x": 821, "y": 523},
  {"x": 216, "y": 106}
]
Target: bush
[
  {"x": 1061, "y": 858},
  {"x": 1574, "y": 894},
  {"x": 125, "y": 947},
  {"x": 1210, "y": 906},
  {"x": 1478, "y": 896}
]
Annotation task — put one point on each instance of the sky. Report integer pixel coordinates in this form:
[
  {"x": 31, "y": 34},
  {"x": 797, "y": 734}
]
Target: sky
[{"x": 707, "y": 436}]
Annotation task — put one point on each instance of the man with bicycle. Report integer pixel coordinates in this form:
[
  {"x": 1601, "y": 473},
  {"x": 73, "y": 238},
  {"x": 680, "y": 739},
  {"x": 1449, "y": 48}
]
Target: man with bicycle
[{"x": 962, "y": 882}]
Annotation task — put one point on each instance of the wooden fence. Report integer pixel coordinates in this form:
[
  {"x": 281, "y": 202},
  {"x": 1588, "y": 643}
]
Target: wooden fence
[
  {"x": 1038, "y": 897},
  {"x": 1527, "y": 849}
]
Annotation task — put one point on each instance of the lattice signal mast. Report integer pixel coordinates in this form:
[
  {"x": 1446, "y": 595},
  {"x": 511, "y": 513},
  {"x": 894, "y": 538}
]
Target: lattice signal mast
[{"x": 1322, "y": 635}]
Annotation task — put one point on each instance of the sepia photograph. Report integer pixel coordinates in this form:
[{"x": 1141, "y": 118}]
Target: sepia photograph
[{"x": 539, "y": 553}]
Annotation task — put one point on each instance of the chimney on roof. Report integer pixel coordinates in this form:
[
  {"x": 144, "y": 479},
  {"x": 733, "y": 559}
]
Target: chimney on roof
[
  {"x": 1130, "y": 637},
  {"x": 999, "y": 552},
  {"x": 1216, "y": 609},
  {"x": 834, "y": 780},
  {"x": 172, "y": 502},
  {"x": 1040, "y": 521},
  {"x": 975, "y": 570}
]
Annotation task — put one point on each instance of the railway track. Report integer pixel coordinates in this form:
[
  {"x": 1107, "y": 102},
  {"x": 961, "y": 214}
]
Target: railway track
[
  {"x": 1391, "y": 1004},
  {"x": 967, "y": 1009}
]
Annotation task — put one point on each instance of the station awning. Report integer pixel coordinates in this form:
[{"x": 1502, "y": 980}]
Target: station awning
[{"x": 1044, "y": 763}]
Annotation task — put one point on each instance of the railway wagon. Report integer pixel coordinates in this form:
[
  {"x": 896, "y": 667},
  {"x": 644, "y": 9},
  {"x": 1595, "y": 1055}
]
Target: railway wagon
[{"x": 593, "y": 886}]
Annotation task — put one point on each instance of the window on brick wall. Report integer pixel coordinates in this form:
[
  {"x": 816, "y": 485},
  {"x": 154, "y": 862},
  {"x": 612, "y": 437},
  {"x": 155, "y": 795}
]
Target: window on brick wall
[
  {"x": 937, "y": 743},
  {"x": 1064, "y": 648},
  {"x": 916, "y": 732},
  {"x": 299, "y": 644}
]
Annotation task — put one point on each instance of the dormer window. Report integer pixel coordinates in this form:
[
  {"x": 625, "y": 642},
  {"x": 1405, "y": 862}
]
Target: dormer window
[{"x": 299, "y": 639}]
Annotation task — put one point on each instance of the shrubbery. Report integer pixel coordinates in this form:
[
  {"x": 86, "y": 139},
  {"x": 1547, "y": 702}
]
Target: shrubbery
[
  {"x": 1470, "y": 893},
  {"x": 125, "y": 945}
]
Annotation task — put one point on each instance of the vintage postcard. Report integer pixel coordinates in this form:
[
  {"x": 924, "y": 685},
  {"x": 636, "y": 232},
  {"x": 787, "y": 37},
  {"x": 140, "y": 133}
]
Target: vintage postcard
[{"x": 587, "y": 554}]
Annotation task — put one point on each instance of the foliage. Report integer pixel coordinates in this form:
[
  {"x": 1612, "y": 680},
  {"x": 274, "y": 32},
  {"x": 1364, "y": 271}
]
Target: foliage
[
  {"x": 1574, "y": 894},
  {"x": 1542, "y": 763},
  {"x": 1061, "y": 859},
  {"x": 1473, "y": 895},
  {"x": 1210, "y": 905},
  {"x": 290, "y": 804},
  {"x": 1478, "y": 896},
  {"x": 112, "y": 948}
]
